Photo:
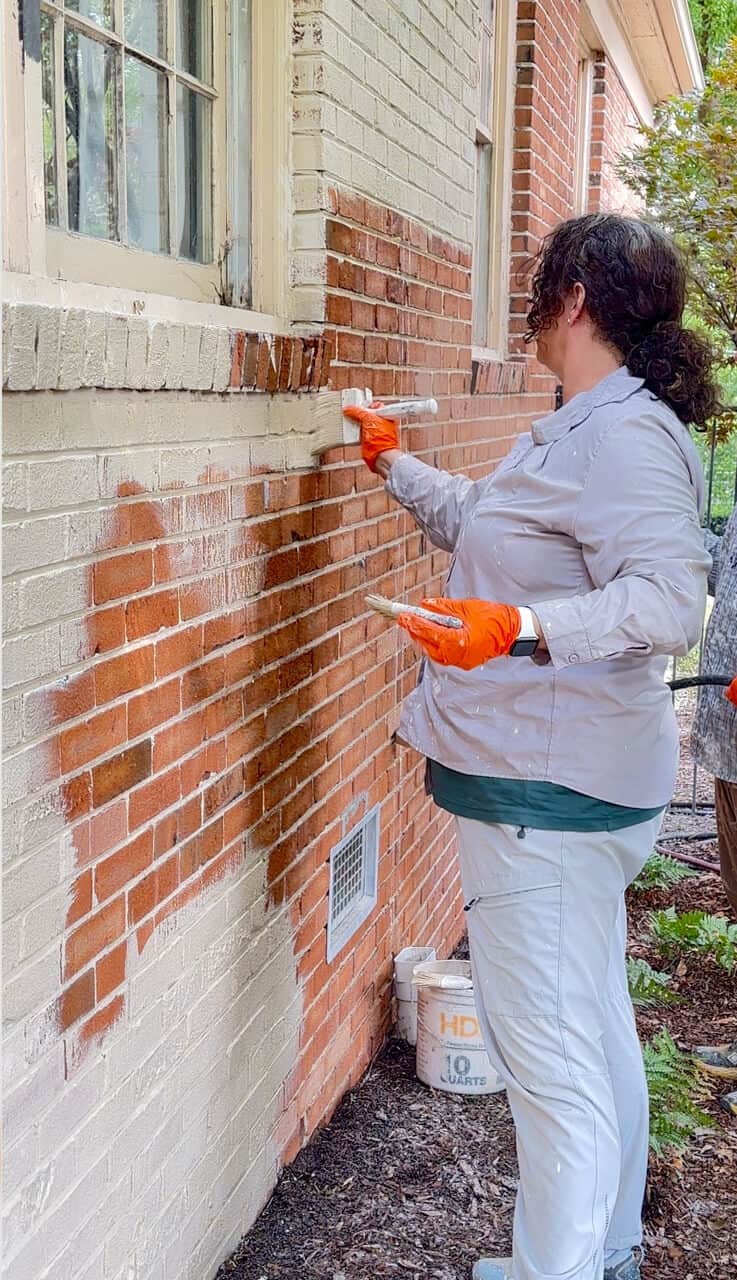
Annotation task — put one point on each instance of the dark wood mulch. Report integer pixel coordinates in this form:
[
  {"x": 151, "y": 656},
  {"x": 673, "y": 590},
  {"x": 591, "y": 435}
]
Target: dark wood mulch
[{"x": 406, "y": 1182}]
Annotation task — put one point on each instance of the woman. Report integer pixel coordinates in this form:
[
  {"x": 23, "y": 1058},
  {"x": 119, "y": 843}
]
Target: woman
[{"x": 583, "y": 551}]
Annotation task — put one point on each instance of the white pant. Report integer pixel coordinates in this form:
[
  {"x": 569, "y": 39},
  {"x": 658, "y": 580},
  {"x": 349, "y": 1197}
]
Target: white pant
[{"x": 547, "y": 932}]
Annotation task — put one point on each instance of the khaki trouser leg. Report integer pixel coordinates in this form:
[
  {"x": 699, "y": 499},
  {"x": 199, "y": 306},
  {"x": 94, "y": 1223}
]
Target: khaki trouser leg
[{"x": 546, "y": 934}]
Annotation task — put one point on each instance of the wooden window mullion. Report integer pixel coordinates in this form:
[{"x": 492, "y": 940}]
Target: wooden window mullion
[{"x": 60, "y": 118}]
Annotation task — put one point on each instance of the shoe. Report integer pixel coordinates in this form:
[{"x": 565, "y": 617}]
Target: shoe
[
  {"x": 627, "y": 1269},
  {"x": 492, "y": 1269},
  {"x": 718, "y": 1060}
]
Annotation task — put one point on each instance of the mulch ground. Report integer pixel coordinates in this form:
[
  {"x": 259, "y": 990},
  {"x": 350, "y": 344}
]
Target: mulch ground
[{"x": 406, "y": 1182}]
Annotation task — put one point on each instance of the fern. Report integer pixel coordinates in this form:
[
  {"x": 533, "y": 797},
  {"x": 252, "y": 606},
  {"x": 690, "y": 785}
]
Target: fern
[
  {"x": 661, "y": 872},
  {"x": 648, "y": 986},
  {"x": 695, "y": 931},
  {"x": 672, "y": 1082}
]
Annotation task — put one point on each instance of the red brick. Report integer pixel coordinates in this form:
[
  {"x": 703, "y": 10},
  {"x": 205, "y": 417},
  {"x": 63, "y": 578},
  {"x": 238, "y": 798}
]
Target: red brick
[
  {"x": 115, "y": 676},
  {"x": 122, "y": 575},
  {"x": 154, "y": 707},
  {"x": 121, "y": 773},
  {"x": 151, "y": 613},
  {"x": 94, "y": 936},
  {"x": 203, "y": 681},
  {"x": 153, "y": 797},
  {"x": 77, "y": 1000},
  {"x": 339, "y": 238},
  {"x": 115, "y": 872},
  {"x": 178, "y": 651},
  {"x": 108, "y": 828},
  {"x": 110, "y": 971},
  {"x": 84, "y": 742}
]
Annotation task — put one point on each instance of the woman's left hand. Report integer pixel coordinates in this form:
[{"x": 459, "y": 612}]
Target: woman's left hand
[{"x": 489, "y": 630}]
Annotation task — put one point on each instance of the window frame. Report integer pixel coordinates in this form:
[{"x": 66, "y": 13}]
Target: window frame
[
  {"x": 584, "y": 121},
  {"x": 497, "y": 133},
  {"x": 72, "y": 254},
  {"x": 78, "y": 262}
]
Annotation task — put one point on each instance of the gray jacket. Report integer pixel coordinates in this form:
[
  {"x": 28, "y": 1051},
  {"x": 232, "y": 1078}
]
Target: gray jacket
[
  {"x": 715, "y": 728},
  {"x": 593, "y": 521}
]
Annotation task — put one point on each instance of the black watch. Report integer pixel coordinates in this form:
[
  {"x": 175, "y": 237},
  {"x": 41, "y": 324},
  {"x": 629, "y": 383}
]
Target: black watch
[{"x": 526, "y": 644}]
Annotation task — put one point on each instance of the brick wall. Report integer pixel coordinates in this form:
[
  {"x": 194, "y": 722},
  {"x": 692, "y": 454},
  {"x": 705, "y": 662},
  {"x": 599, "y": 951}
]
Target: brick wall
[
  {"x": 198, "y": 703},
  {"x": 613, "y": 133}
]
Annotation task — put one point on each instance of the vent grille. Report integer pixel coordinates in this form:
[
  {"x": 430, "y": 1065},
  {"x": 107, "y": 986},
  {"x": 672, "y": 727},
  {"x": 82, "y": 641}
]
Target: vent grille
[{"x": 353, "y": 882}]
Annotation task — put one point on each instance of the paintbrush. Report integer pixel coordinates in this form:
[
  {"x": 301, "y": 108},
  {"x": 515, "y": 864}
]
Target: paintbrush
[
  {"x": 393, "y": 608},
  {"x": 452, "y": 975},
  {"x": 330, "y": 428}
]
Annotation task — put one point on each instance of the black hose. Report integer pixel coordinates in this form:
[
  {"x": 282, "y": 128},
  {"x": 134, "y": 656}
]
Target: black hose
[{"x": 697, "y": 682}]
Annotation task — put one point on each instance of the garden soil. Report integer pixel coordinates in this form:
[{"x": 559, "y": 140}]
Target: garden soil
[{"x": 407, "y": 1183}]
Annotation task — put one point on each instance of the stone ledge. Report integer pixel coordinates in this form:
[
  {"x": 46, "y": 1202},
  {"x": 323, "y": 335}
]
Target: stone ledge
[
  {"x": 48, "y": 348},
  {"x": 498, "y": 377}
]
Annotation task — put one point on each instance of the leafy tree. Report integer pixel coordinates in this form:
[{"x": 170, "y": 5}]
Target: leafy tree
[
  {"x": 714, "y": 24},
  {"x": 685, "y": 173}
]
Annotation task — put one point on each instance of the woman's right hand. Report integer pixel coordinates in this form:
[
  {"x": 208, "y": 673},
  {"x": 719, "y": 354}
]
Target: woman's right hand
[{"x": 378, "y": 436}]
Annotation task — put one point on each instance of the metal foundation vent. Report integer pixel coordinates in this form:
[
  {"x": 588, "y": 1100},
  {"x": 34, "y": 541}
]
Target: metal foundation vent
[{"x": 354, "y": 865}]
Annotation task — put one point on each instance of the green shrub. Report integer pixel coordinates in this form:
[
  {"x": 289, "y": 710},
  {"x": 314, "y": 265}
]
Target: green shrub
[
  {"x": 673, "y": 1085},
  {"x": 647, "y": 986},
  {"x": 695, "y": 931},
  {"x": 661, "y": 872}
]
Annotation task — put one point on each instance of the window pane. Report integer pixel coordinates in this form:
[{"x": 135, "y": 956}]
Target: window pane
[
  {"x": 144, "y": 25},
  {"x": 100, "y": 11},
  {"x": 48, "y": 121},
  {"x": 194, "y": 38},
  {"x": 482, "y": 246},
  {"x": 194, "y": 184},
  {"x": 91, "y": 114},
  {"x": 146, "y": 156}
]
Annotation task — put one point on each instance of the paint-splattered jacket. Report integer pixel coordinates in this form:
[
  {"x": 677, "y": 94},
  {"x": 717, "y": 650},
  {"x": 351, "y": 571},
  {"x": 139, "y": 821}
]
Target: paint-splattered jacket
[
  {"x": 593, "y": 521},
  {"x": 715, "y": 727}
]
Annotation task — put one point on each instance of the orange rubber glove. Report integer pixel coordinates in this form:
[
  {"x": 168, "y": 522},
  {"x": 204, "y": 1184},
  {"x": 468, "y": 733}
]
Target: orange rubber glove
[
  {"x": 377, "y": 434},
  {"x": 488, "y": 631},
  {"x": 731, "y": 692}
]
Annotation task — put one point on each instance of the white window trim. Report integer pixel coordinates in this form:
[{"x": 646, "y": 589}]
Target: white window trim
[
  {"x": 582, "y": 158},
  {"x": 502, "y": 136},
  {"x": 79, "y": 263}
]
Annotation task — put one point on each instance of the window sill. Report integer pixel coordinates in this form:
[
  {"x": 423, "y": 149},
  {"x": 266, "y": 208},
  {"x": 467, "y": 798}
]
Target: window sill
[
  {"x": 47, "y": 292},
  {"x": 61, "y": 336}
]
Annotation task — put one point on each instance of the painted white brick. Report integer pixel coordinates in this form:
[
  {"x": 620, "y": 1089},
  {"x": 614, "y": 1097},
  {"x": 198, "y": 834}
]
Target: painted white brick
[
  {"x": 221, "y": 372},
  {"x": 34, "y": 985},
  {"x": 158, "y": 350},
  {"x": 183, "y": 468},
  {"x": 54, "y": 595},
  {"x": 116, "y": 472},
  {"x": 31, "y": 657},
  {"x": 93, "y": 367},
  {"x": 49, "y": 346},
  {"x": 191, "y": 355},
  {"x": 137, "y": 353},
  {"x": 62, "y": 482},
  {"x": 176, "y": 333},
  {"x": 12, "y": 717},
  {"x": 34, "y": 543},
  {"x": 15, "y": 487},
  {"x": 116, "y": 351},
  {"x": 73, "y": 349}
]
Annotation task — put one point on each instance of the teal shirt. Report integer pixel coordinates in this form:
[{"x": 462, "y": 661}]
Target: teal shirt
[{"x": 544, "y": 806}]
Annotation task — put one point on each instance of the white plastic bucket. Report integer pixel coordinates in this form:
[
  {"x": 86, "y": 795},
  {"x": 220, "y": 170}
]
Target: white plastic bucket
[
  {"x": 406, "y": 994},
  {"x": 450, "y": 1051}
]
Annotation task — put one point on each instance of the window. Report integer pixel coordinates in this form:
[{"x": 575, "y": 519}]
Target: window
[
  {"x": 492, "y": 221},
  {"x": 150, "y": 122},
  {"x": 584, "y": 94}
]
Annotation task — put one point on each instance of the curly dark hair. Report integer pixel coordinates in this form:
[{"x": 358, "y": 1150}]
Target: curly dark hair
[{"x": 635, "y": 282}]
